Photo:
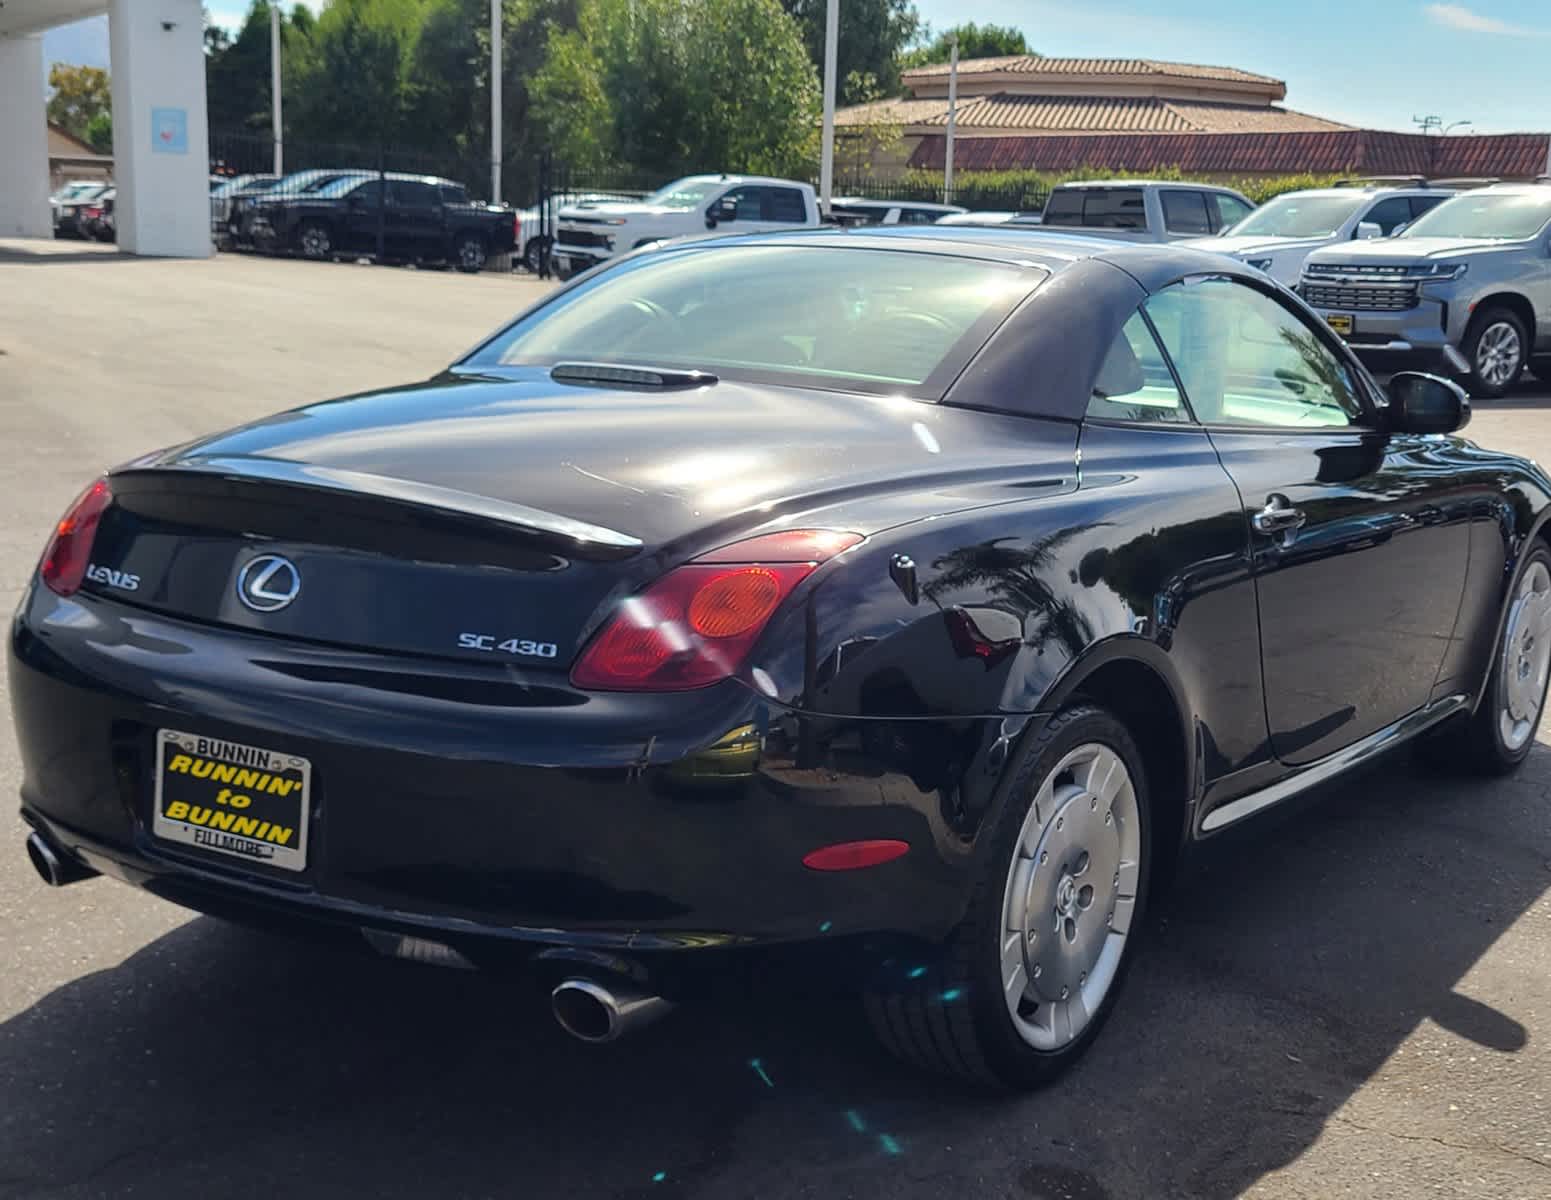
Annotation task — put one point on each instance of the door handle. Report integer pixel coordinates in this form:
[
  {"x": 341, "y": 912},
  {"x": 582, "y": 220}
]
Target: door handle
[{"x": 1278, "y": 517}]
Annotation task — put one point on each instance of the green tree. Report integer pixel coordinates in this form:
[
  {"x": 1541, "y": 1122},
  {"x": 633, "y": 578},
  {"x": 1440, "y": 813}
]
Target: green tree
[
  {"x": 975, "y": 41},
  {"x": 99, "y": 132},
  {"x": 355, "y": 84},
  {"x": 873, "y": 35},
  {"x": 76, "y": 95},
  {"x": 237, "y": 69},
  {"x": 674, "y": 85}
]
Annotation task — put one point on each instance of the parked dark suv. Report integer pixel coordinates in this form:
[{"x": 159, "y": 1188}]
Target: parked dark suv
[{"x": 408, "y": 217}]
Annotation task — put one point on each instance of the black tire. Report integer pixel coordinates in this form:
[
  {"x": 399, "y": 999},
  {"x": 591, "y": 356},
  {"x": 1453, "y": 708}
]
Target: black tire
[
  {"x": 1489, "y": 331},
  {"x": 533, "y": 253},
  {"x": 949, "y": 1015},
  {"x": 1480, "y": 744},
  {"x": 315, "y": 240},
  {"x": 469, "y": 254}
]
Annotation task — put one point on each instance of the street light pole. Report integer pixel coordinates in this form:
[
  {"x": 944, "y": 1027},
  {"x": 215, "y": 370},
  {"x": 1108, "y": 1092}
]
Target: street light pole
[
  {"x": 953, "y": 120},
  {"x": 274, "y": 84},
  {"x": 495, "y": 101},
  {"x": 827, "y": 138}
]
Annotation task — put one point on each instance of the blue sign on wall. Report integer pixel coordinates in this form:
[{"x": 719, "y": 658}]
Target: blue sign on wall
[{"x": 169, "y": 130}]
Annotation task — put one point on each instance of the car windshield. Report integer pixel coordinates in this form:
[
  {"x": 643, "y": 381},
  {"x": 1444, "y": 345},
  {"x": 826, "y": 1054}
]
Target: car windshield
[
  {"x": 1510, "y": 216},
  {"x": 874, "y": 320},
  {"x": 683, "y": 193},
  {"x": 1298, "y": 216}
]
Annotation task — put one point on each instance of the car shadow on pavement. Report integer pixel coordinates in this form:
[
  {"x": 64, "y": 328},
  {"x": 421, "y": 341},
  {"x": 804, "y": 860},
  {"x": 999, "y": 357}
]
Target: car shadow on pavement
[{"x": 1277, "y": 978}]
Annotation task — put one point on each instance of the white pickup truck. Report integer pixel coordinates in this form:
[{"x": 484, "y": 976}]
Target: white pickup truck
[
  {"x": 1143, "y": 210},
  {"x": 587, "y": 234}
]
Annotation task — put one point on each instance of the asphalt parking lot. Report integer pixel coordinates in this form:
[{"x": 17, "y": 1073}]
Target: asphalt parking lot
[{"x": 1353, "y": 1002}]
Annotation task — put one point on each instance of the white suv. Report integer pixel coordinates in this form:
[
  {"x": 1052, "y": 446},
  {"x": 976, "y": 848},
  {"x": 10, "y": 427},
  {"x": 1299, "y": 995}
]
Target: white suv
[
  {"x": 587, "y": 234},
  {"x": 1286, "y": 229}
]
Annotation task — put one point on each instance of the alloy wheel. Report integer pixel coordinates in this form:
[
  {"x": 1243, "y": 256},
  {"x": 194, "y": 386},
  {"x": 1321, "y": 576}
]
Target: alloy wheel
[
  {"x": 1069, "y": 897},
  {"x": 315, "y": 241},
  {"x": 1499, "y": 354},
  {"x": 471, "y": 254},
  {"x": 1525, "y": 661}
]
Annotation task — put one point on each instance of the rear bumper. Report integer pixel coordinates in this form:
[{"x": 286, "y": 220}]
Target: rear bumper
[{"x": 463, "y": 803}]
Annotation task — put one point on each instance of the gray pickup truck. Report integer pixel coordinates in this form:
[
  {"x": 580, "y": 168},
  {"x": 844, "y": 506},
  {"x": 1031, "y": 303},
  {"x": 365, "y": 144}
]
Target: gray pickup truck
[
  {"x": 1143, "y": 210},
  {"x": 1468, "y": 283}
]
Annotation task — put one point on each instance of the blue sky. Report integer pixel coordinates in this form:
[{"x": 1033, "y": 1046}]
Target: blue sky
[{"x": 1374, "y": 63}]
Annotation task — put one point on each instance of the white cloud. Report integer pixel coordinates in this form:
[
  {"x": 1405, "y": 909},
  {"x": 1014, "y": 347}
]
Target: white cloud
[{"x": 1457, "y": 16}]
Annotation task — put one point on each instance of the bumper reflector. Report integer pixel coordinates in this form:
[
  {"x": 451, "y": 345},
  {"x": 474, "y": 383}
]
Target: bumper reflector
[
  {"x": 420, "y": 950},
  {"x": 852, "y": 856}
]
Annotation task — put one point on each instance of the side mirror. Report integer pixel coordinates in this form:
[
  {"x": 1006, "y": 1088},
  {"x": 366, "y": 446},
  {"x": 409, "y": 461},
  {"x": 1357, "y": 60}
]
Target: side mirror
[
  {"x": 724, "y": 209},
  {"x": 1421, "y": 403},
  {"x": 1368, "y": 230},
  {"x": 1400, "y": 229}
]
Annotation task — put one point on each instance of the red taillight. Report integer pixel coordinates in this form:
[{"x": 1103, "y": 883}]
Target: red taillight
[
  {"x": 853, "y": 856},
  {"x": 695, "y": 625},
  {"x": 70, "y": 549},
  {"x": 517, "y": 228}
]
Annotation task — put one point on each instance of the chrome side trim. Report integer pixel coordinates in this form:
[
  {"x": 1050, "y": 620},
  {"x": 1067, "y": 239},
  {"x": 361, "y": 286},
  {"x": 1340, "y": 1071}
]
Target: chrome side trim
[
  {"x": 1332, "y": 765},
  {"x": 425, "y": 495}
]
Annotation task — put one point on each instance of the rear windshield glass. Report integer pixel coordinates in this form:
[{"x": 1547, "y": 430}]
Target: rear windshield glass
[
  {"x": 871, "y": 319},
  {"x": 1105, "y": 208},
  {"x": 1512, "y": 216}
]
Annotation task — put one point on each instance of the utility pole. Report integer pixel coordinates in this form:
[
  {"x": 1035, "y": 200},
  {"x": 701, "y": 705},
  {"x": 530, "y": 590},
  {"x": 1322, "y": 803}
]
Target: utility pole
[
  {"x": 274, "y": 84},
  {"x": 953, "y": 120},
  {"x": 495, "y": 101},
  {"x": 827, "y": 138}
]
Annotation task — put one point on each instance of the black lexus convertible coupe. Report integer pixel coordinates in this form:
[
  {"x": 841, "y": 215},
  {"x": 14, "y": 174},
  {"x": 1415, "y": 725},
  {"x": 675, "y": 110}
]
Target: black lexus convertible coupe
[{"x": 907, "y": 599}]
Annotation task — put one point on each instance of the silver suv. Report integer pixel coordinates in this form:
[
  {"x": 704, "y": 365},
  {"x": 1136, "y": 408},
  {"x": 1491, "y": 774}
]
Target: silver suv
[{"x": 1468, "y": 282}]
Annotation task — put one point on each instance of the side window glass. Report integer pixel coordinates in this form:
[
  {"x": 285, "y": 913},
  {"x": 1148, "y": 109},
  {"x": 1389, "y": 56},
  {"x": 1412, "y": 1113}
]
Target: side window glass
[
  {"x": 1185, "y": 212},
  {"x": 747, "y": 200},
  {"x": 785, "y": 204},
  {"x": 1134, "y": 382},
  {"x": 1421, "y": 204},
  {"x": 1387, "y": 214},
  {"x": 1244, "y": 359},
  {"x": 1230, "y": 209}
]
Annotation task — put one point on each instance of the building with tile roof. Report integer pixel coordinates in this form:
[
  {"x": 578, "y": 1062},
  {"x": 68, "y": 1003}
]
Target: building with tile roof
[{"x": 1136, "y": 114}]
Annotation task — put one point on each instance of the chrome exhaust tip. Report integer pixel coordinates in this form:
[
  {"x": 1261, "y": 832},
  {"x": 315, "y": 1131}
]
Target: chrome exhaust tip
[
  {"x": 53, "y": 866},
  {"x": 604, "y": 1012}
]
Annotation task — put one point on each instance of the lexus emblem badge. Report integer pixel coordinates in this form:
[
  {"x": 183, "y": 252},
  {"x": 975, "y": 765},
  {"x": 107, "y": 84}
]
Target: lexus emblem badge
[{"x": 268, "y": 583}]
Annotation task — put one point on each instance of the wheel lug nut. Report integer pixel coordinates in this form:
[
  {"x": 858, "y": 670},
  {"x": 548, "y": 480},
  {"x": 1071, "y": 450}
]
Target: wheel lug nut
[
  {"x": 1117, "y": 878},
  {"x": 1083, "y": 978},
  {"x": 1060, "y": 821},
  {"x": 1093, "y": 804},
  {"x": 1108, "y": 817},
  {"x": 1044, "y": 857},
  {"x": 1038, "y": 970},
  {"x": 1065, "y": 992}
]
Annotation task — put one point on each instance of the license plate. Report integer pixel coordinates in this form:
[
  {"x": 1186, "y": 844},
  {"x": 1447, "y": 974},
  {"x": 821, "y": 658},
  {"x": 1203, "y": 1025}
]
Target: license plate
[
  {"x": 228, "y": 798},
  {"x": 1340, "y": 322}
]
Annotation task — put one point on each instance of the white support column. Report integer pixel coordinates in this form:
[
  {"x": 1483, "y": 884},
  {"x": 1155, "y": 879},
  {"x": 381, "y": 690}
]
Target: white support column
[
  {"x": 161, "y": 151},
  {"x": 23, "y": 140}
]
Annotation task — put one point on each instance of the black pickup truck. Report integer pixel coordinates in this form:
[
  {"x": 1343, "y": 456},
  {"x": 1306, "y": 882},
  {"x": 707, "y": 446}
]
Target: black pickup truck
[{"x": 403, "y": 217}]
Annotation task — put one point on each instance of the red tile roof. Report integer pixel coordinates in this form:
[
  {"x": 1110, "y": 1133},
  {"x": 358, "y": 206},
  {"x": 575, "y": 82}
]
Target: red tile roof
[
  {"x": 1120, "y": 114},
  {"x": 1031, "y": 64},
  {"x": 1357, "y": 151}
]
